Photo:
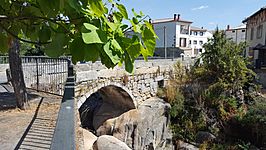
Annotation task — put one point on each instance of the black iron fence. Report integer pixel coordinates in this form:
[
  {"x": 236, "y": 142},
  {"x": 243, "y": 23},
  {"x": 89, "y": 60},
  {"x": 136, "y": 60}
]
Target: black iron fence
[{"x": 43, "y": 73}]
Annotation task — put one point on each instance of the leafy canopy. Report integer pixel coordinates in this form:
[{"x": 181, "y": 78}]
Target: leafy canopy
[
  {"x": 87, "y": 29},
  {"x": 223, "y": 64}
]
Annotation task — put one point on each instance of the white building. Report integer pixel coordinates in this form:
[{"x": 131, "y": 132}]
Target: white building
[
  {"x": 237, "y": 34},
  {"x": 178, "y": 33},
  {"x": 198, "y": 36}
]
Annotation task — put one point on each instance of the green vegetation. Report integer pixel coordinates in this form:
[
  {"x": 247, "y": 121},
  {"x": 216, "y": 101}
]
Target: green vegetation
[
  {"x": 218, "y": 96},
  {"x": 87, "y": 29}
]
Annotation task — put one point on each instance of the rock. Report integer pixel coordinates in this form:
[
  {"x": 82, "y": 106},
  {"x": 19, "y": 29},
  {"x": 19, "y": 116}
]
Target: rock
[
  {"x": 144, "y": 128},
  {"x": 107, "y": 142},
  {"x": 203, "y": 136},
  {"x": 88, "y": 109},
  {"x": 88, "y": 138},
  {"x": 185, "y": 146}
]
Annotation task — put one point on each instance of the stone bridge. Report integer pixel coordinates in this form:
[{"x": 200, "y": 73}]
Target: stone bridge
[{"x": 120, "y": 87}]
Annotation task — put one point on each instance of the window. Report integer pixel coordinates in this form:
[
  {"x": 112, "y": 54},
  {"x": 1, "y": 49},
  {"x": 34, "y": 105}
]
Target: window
[
  {"x": 195, "y": 42},
  {"x": 200, "y": 50},
  {"x": 243, "y": 30},
  {"x": 184, "y": 29},
  {"x": 195, "y": 33},
  {"x": 189, "y": 41},
  {"x": 251, "y": 33},
  {"x": 190, "y": 32},
  {"x": 233, "y": 31},
  {"x": 259, "y": 31},
  {"x": 201, "y": 33},
  {"x": 200, "y": 42},
  {"x": 183, "y": 42}
]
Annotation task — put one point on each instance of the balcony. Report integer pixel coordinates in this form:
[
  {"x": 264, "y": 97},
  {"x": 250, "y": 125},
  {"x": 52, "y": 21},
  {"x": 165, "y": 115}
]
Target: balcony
[{"x": 184, "y": 31}]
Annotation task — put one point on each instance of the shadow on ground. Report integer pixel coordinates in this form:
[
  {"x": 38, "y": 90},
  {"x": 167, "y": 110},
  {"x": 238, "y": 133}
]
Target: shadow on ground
[
  {"x": 7, "y": 97},
  {"x": 38, "y": 134}
]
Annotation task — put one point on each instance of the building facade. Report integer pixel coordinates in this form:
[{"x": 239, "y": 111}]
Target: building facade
[
  {"x": 178, "y": 33},
  {"x": 197, "y": 38},
  {"x": 236, "y": 34},
  {"x": 256, "y": 38}
]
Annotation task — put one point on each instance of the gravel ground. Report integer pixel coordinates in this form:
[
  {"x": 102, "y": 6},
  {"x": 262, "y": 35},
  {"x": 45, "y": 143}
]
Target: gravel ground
[{"x": 29, "y": 129}]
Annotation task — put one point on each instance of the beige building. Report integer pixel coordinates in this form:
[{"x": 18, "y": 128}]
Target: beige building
[{"x": 256, "y": 38}]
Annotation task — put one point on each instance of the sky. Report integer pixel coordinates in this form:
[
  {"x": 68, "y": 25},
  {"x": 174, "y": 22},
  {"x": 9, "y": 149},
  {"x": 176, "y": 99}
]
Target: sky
[{"x": 203, "y": 13}]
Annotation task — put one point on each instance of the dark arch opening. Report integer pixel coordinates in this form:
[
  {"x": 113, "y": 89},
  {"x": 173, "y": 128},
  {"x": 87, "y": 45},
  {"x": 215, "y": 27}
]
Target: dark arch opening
[{"x": 108, "y": 102}]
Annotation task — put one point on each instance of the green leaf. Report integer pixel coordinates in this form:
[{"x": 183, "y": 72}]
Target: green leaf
[
  {"x": 150, "y": 27},
  {"x": 97, "y": 7},
  {"x": 149, "y": 41},
  {"x": 3, "y": 43},
  {"x": 81, "y": 51},
  {"x": 50, "y": 8},
  {"x": 122, "y": 10},
  {"x": 135, "y": 20},
  {"x": 57, "y": 47},
  {"x": 134, "y": 49},
  {"x": 74, "y": 4},
  {"x": 116, "y": 45},
  {"x": 90, "y": 27},
  {"x": 92, "y": 35},
  {"x": 128, "y": 63},
  {"x": 118, "y": 17},
  {"x": 44, "y": 34},
  {"x": 92, "y": 52},
  {"x": 111, "y": 53}
]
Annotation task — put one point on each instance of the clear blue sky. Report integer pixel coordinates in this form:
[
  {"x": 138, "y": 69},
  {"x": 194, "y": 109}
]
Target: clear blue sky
[{"x": 206, "y": 13}]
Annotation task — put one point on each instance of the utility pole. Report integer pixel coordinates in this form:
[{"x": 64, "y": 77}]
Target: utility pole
[{"x": 165, "y": 44}]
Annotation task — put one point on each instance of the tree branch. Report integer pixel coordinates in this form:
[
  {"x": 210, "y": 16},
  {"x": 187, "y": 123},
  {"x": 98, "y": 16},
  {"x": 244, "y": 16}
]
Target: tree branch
[{"x": 23, "y": 40}]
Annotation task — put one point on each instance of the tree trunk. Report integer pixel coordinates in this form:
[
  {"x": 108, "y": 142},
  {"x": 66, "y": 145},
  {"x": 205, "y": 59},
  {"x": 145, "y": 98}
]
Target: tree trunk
[{"x": 17, "y": 78}]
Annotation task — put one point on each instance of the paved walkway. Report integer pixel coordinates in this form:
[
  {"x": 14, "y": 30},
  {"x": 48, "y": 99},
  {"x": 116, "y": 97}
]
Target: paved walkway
[{"x": 31, "y": 129}]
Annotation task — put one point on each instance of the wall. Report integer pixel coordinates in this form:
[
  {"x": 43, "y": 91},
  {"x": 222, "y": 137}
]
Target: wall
[
  {"x": 198, "y": 38},
  {"x": 170, "y": 33},
  {"x": 140, "y": 85},
  {"x": 255, "y": 41},
  {"x": 237, "y": 35}
]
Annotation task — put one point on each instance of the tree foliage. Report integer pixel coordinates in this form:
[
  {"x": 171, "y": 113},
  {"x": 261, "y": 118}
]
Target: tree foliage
[
  {"x": 222, "y": 64},
  {"x": 87, "y": 29}
]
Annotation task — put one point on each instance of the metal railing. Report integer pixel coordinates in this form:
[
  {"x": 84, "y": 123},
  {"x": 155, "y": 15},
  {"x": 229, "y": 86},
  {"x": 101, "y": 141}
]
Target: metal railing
[
  {"x": 43, "y": 73},
  {"x": 65, "y": 133}
]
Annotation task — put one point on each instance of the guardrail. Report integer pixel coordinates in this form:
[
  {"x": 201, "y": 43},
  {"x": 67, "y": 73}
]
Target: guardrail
[
  {"x": 43, "y": 73},
  {"x": 64, "y": 134}
]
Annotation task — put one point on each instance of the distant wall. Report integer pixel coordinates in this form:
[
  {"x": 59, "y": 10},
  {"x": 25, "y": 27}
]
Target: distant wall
[{"x": 172, "y": 52}]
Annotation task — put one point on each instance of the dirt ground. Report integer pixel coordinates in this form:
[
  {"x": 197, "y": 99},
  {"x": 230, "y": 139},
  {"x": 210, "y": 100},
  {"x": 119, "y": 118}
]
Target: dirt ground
[{"x": 29, "y": 129}]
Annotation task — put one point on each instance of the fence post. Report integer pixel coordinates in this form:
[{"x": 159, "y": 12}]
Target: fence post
[{"x": 37, "y": 72}]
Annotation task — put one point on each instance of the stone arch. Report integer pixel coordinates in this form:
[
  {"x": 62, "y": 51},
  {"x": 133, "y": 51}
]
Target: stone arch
[
  {"x": 103, "y": 103},
  {"x": 83, "y": 98}
]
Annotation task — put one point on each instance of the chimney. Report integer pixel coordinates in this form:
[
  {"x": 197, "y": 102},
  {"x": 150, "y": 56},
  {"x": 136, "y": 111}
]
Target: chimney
[
  {"x": 174, "y": 17},
  {"x": 228, "y": 27},
  {"x": 178, "y": 16},
  {"x": 201, "y": 27}
]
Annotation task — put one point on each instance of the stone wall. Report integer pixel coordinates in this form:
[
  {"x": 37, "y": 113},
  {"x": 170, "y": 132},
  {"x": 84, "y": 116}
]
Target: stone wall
[{"x": 141, "y": 85}]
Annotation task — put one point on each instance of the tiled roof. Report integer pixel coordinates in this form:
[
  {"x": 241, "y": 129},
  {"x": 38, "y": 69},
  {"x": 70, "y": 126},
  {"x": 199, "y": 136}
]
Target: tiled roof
[{"x": 254, "y": 14}]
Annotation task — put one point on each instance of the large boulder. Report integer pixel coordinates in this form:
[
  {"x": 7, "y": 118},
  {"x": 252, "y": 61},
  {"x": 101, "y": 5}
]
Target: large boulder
[
  {"x": 88, "y": 139},
  {"x": 107, "y": 142},
  {"x": 144, "y": 128},
  {"x": 203, "y": 136},
  {"x": 185, "y": 146}
]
